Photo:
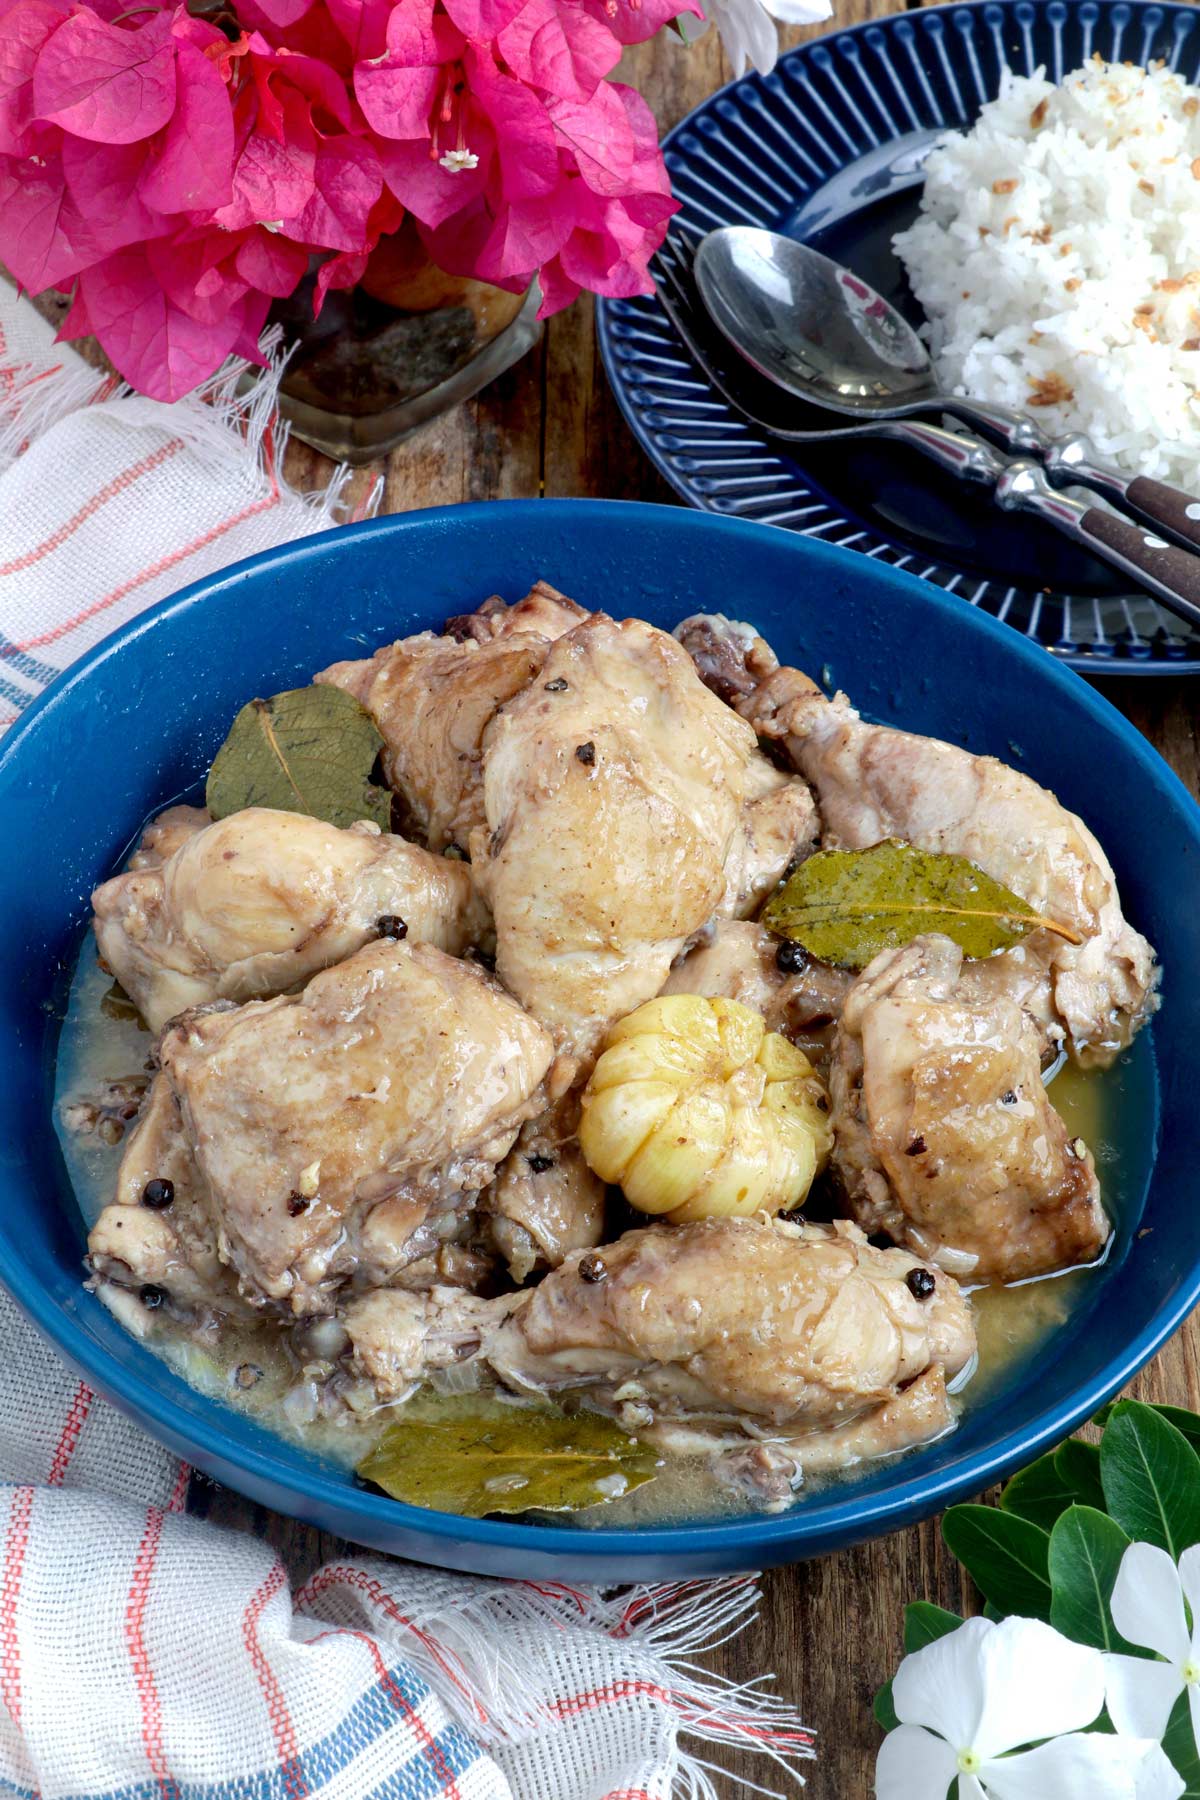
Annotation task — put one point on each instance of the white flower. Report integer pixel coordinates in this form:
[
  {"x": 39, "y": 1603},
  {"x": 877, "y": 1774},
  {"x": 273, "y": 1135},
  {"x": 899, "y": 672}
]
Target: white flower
[
  {"x": 985, "y": 1689},
  {"x": 747, "y": 27},
  {"x": 458, "y": 160},
  {"x": 1147, "y": 1608}
]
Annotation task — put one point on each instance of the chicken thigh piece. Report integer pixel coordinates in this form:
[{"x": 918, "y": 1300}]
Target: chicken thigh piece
[
  {"x": 545, "y": 1201},
  {"x": 873, "y": 782},
  {"x": 259, "y": 901},
  {"x": 945, "y": 1137},
  {"x": 762, "y": 1324},
  {"x": 431, "y": 696},
  {"x": 615, "y": 790},
  {"x": 341, "y": 1131},
  {"x": 739, "y": 960},
  {"x": 156, "y": 1237}
]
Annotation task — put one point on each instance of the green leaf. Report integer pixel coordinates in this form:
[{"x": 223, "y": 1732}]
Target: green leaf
[
  {"x": 1151, "y": 1477},
  {"x": 476, "y": 1454},
  {"x": 1078, "y": 1465},
  {"x": 1039, "y": 1493},
  {"x": 1179, "y": 1742},
  {"x": 1086, "y": 1548},
  {"x": 845, "y": 906},
  {"x": 1188, "y": 1423},
  {"x": 307, "y": 751},
  {"x": 884, "y": 1709},
  {"x": 1005, "y": 1555},
  {"x": 925, "y": 1623}
]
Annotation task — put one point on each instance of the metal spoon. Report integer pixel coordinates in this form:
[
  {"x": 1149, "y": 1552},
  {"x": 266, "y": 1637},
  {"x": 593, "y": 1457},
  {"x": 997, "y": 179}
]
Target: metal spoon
[{"x": 818, "y": 331}]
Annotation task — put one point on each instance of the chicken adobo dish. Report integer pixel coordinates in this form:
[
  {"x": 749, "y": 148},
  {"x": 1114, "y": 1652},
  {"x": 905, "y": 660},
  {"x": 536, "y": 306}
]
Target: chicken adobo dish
[{"x": 638, "y": 1088}]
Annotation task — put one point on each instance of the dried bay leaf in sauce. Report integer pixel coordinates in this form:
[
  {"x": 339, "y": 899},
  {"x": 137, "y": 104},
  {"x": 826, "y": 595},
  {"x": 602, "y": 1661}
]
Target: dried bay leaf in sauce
[
  {"x": 310, "y": 750},
  {"x": 845, "y": 906},
  {"x": 475, "y": 1455}
]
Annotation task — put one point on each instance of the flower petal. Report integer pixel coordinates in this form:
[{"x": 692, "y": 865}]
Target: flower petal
[
  {"x": 1036, "y": 1684},
  {"x": 913, "y": 1765},
  {"x": 1189, "y": 1581},
  {"x": 1084, "y": 1766},
  {"x": 1147, "y": 1602},
  {"x": 1140, "y": 1694},
  {"x": 942, "y": 1684},
  {"x": 798, "y": 12}
]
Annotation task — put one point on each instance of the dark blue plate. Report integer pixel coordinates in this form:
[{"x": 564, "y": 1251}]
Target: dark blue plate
[
  {"x": 829, "y": 147},
  {"x": 137, "y": 721}
]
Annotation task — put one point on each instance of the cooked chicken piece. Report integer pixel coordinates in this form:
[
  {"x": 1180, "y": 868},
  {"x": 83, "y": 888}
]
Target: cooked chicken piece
[
  {"x": 545, "y": 1201},
  {"x": 544, "y": 613},
  {"x": 756, "y": 1322},
  {"x": 258, "y": 902},
  {"x": 432, "y": 696},
  {"x": 167, "y": 833},
  {"x": 873, "y": 782},
  {"x": 739, "y": 960},
  {"x": 616, "y": 791},
  {"x": 771, "y": 1469},
  {"x": 157, "y": 1233},
  {"x": 342, "y": 1129},
  {"x": 945, "y": 1136},
  {"x": 397, "y": 1340}
]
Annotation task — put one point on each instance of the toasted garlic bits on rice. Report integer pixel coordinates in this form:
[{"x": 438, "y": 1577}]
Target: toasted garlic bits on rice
[{"x": 1057, "y": 258}]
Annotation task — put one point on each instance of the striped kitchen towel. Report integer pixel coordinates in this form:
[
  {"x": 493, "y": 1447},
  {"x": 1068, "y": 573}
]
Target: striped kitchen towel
[{"x": 146, "y": 1654}]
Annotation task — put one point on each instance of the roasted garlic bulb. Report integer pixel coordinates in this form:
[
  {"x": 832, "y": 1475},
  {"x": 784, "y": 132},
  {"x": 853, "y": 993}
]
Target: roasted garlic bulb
[{"x": 698, "y": 1111}]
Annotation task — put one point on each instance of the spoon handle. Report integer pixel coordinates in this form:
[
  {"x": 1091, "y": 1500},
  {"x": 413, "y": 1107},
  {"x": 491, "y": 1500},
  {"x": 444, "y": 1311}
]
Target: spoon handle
[
  {"x": 1172, "y": 575},
  {"x": 1071, "y": 462}
]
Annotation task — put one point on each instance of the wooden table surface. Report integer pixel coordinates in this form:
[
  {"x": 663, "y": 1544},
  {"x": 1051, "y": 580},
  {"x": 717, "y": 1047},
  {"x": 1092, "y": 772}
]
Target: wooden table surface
[{"x": 830, "y": 1630}]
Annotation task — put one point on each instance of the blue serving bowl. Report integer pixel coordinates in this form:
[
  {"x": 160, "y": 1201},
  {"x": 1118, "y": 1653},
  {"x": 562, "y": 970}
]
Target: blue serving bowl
[{"x": 136, "y": 723}]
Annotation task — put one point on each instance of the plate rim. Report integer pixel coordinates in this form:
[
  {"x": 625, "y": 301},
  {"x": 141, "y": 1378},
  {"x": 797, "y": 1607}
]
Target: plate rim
[{"x": 1092, "y": 667}]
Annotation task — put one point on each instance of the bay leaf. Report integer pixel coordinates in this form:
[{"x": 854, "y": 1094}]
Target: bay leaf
[
  {"x": 845, "y": 906},
  {"x": 309, "y": 750},
  {"x": 475, "y": 1455}
]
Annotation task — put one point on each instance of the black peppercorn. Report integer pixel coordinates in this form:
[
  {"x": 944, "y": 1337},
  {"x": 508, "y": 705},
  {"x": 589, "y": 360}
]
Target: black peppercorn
[
  {"x": 557, "y": 686},
  {"x": 391, "y": 925},
  {"x": 539, "y": 1163},
  {"x": 585, "y": 753},
  {"x": 296, "y": 1205},
  {"x": 158, "y": 1193},
  {"x": 1009, "y": 1099},
  {"x": 920, "y": 1283},
  {"x": 916, "y": 1148},
  {"x": 790, "y": 957},
  {"x": 151, "y": 1297},
  {"x": 592, "y": 1268}
]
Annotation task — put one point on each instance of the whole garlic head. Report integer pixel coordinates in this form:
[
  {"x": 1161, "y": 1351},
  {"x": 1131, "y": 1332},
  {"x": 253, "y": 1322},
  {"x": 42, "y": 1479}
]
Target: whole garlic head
[{"x": 696, "y": 1110}]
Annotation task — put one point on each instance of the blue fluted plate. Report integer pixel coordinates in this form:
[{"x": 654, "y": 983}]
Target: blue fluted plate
[{"x": 807, "y": 150}]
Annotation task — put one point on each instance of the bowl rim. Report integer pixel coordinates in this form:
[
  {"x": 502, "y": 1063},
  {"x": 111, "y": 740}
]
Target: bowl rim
[{"x": 848, "y": 1516}]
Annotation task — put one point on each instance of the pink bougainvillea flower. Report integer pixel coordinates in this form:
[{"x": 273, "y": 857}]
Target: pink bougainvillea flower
[
  {"x": 105, "y": 83},
  {"x": 348, "y": 182},
  {"x": 24, "y": 30},
  {"x": 557, "y": 46},
  {"x": 271, "y": 263},
  {"x": 152, "y": 342},
  {"x": 104, "y": 183},
  {"x": 399, "y": 89},
  {"x": 635, "y": 21},
  {"x": 190, "y": 168},
  {"x": 180, "y": 178},
  {"x": 481, "y": 20}
]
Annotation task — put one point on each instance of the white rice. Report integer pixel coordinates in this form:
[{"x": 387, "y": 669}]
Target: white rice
[{"x": 1057, "y": 258}]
